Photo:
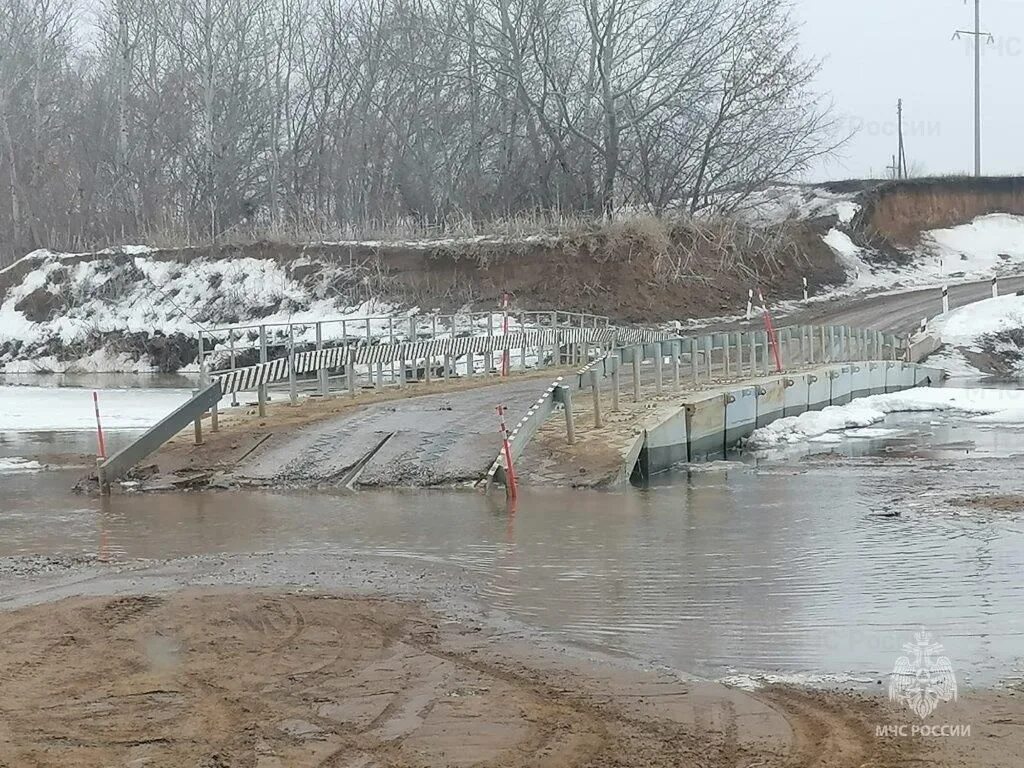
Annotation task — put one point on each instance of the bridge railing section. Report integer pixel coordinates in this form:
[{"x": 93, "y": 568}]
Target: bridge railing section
[{"x": 694, "y": 362}]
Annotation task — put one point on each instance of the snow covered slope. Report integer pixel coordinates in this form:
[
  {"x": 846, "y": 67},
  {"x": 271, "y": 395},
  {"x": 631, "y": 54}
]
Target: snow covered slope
[
  {"x": 983, "y": 337},
  {"x": 104, "y": 313}
]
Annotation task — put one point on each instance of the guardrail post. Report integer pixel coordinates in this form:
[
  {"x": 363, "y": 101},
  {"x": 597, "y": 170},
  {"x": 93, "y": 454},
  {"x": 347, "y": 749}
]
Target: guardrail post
[
  {"x": 638, "y": 353},
  {"x": 766, "y": 364},
  {"x": 261, "y": 390},
  {"x": 321, "y": 370},
  {"x": 234, "y": 364},
  {"x": 694, "y": 370},
  {"x": 676, "y": 354},
  {"x": 198, "y": 422},
  {"x": 659, "y": 360},
  {"x": 614, "y": 363},
  {"x": 725, "y": 355},
  {"x": 522, "y": 347},
  {"x": 202, "y": 359},
  {"x": 596, "y": 389},
  {"x": 293, "y": 394},
  {"x": 565, "y": 397},
  {"x": 828, "y": 353},
  {"x": 753, "y": 353},
  {"x": 350, "y": 371}
]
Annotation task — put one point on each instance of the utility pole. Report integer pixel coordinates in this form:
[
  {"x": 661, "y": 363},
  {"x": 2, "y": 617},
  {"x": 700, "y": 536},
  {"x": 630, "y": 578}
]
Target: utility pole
[
  {"x": 901, "y": 157},
  {"x": 977, "y": 34}
]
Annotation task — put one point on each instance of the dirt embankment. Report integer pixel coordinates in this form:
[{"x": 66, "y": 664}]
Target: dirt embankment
[
  {"x": 894, "y": 214},
  {"x": 270, "y": 679}
]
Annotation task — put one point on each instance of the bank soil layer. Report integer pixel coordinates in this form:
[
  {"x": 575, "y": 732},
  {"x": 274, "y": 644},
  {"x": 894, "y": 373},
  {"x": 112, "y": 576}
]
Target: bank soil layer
[{"x": 254, "y": 678}]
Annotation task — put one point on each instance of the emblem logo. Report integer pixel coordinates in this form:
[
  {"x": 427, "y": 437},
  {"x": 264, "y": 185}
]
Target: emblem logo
[{"x": 922, "y": 679}]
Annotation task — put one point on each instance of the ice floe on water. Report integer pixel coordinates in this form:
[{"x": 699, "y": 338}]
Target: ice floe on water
[
  {"x": 11, "y": 464},
  {"x": 67, "y": 409},
  {"x": 992, "y": 406}
]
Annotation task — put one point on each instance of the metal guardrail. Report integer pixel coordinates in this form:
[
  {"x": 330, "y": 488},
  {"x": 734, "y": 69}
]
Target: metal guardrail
[
  {"x": 737, "y": 353},
  {"x": 149, "y": 442}
]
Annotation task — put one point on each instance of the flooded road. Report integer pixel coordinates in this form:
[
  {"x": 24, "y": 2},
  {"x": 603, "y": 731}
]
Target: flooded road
[{"x": 822, "y": 559}]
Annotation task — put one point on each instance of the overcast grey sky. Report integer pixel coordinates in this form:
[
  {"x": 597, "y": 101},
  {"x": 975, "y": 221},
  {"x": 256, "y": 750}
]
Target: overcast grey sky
[{"x": 876, "y": 51}]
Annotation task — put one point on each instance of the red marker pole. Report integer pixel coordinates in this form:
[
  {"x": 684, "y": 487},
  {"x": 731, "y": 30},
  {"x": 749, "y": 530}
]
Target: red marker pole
[
  {"x": 99, "y": 427},
  {"x": 510, "y": 472}
]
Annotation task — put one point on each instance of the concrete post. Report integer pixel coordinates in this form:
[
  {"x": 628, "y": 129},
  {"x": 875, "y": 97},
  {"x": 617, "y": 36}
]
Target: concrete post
[
  {"x": 709, "y": 348},
  {"x": 614, "y": 363},
  {"x": 753, "y": 353},
  {"x": 469, "y": 364},
  {"x": 725, "y": 354},
  {"x": 556, "y": 352},
  {"x": 738, "y": 345},
  {"x": 321, "y": 371},
  {"x": 198, "y": 424},
  {"x": 522, "y": 347},
  {"x": 693, "y": 362},
  {"x": 380, "y": 376},
  {"x": 596, "y": 389},
  {"x": 828, "y": 352},
  {"x": 659, "y": 360},
  {"x": 570, "y": 424},
  {"x": 391, "y": 340},
  {"x": 234, "y": 364},
  {"x": 350, "y": 371},
  {"x": 766, "y": 357},
  {"x": 293, "y": 393},
  {"x": 202, "y": 361},
  {"x": 490, "y": 343},
  {"x": 638, "y": 353},
  {"x": 261, "y": 391},
  {"x": 676, "y": 353},
  {"x": 447, "y": 367}
]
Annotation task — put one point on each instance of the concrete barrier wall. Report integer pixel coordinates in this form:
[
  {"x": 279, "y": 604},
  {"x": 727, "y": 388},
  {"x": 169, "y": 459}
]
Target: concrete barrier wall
[
  {"x": 819, "y": 390},
  {"x": 841, "y": 391},
  {"x": 771, "y": 401},
  {"x": 876, "y": 378},
  {"x": 860, "y": 380},
  {"x": 922, "y": 345},
  {"x": 665, "y": 445},
  {"x": 705, "y": 427},
  {"x": 795, "y": 399},
  {"x": 740, "y": 415}
]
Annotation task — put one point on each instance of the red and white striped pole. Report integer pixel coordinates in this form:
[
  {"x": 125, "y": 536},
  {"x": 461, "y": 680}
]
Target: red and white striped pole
[
  {"x": 101, "y": 443},
  {"x": 510, "y": 471}
]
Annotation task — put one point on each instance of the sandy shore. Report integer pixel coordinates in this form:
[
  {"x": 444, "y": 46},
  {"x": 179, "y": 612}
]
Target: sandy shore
[{"x": 269, "y": 660}]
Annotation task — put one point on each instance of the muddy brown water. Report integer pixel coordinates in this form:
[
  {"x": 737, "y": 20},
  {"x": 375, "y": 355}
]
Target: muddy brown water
[{"x": 819, "y": 559}]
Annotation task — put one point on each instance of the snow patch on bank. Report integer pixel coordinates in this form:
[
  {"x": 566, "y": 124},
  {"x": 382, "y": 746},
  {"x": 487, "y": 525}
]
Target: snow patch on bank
[
  {"x": 963, "y": 327},
  {"x": 989, "y": 246},
  {"x": 994, "y": 406},
  {"x": 985, "y": 246},
  {"x": 778, "y": 204},
  {"x": 992, "y": 327}
]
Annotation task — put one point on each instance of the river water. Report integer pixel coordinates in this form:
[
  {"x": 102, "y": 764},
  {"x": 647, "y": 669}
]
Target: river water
[{"x": 823, "y": 559}]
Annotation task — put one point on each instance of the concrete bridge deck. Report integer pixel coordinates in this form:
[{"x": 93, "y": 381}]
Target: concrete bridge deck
[{"x": 439, "y": 439}]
